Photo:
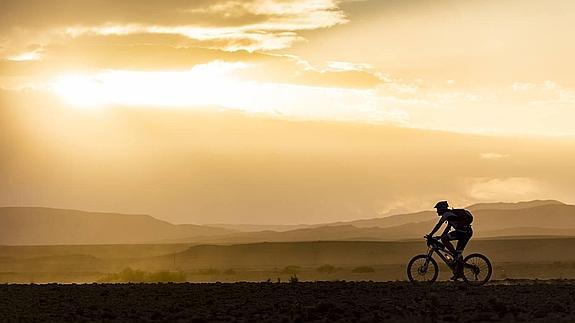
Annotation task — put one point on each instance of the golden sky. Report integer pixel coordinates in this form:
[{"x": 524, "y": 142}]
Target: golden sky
[{"x": 280, "y": 111}]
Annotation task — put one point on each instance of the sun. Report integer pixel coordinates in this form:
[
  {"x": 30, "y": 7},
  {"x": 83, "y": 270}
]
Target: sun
[
  {"x": 81, "y": 90},
  {"x": 202, "y": 85}
]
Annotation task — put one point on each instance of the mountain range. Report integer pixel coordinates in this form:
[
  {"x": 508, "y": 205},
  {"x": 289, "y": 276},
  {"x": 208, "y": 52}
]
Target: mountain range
[{"x": 46, "y": 226}]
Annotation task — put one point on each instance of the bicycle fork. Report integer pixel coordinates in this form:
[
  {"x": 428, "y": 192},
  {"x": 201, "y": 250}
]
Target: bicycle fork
[
  {"x": 429, "y": 256},
  {"x": 429, "y": 253}
]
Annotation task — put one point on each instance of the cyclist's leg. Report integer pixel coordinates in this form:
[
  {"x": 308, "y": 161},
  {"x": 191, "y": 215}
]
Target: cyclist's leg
[
  {"x": 463, "y": 239},
  {"x": 461, "y": 243},
  {"x": 446, "y": 239}
]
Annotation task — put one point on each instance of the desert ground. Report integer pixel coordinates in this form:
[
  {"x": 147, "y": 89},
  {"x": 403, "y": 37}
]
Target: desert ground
[
  {"x": 364, "y": 301},
  {"x": 533, "y": 280},
  {"x": 518, "y": 258}
]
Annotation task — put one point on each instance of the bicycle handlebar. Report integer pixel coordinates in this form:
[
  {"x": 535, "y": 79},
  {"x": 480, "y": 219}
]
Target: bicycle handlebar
[{"x": 433, "y": 241}]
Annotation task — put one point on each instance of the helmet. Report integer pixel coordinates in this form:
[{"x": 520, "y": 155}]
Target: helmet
[{"x": 441, "y": 205}]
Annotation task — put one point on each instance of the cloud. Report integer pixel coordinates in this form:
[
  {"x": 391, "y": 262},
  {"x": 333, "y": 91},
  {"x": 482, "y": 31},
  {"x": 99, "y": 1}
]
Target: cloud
[
  {"x": 522, "y": 86},
  {"x": 121, "y": 53},
  {"x": 545, "y": 93},
  {"x": 139, "y": 52},
  {"x": 505, "y": 189},
  {"x": 26, "y": 56},
  {"x": 294, "y": 70},
  {"x": 226, "y": 24}
]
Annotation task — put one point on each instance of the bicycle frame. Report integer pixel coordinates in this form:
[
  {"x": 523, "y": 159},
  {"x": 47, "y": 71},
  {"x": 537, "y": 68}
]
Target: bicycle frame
[
  {"x": 474, "y": 272},
  {"x": 436, "y": 246}
]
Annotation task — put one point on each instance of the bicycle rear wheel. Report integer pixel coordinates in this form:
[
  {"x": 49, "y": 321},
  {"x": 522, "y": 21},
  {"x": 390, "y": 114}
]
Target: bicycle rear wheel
[
  {"x": 422, "y": 269},
  {"x": 477, "y": 269}
]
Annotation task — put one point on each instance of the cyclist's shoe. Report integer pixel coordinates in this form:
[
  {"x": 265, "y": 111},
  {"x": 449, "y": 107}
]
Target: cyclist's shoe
[{"x": 456, "y": 276}]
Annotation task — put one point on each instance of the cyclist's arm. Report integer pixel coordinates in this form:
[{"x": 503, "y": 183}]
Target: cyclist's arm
[
  {"x": 447, "y": 228},
  {"x": 437, "y": 226}
]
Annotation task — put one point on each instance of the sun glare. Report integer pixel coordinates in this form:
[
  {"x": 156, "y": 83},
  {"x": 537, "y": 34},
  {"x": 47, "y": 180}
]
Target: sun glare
[
  {"x": 202, "y": 85},
  {"x": 216, "y": 84},
  {"x": 80, "y": 90}
]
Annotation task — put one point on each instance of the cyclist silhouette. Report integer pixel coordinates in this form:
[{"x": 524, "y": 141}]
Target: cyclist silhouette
[{"x": 460, "y": 221}]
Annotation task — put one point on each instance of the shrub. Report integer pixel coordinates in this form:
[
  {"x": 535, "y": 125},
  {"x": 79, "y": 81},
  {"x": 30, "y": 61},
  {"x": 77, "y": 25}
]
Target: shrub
[
  {"x": 293, "y": 279},
  {"x": 363, "y": 270},
  {"x": 328, "y": 269},
  {"x": 129, "y": 275}
]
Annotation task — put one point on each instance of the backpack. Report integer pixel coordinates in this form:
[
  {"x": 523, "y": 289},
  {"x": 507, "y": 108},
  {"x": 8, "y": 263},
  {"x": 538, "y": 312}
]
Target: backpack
[{"x": 464, "y": 217}]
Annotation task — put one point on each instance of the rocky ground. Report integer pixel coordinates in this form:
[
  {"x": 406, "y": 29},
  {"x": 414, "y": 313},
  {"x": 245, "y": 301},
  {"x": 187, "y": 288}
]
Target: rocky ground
[{"x": 288, "y": 302}]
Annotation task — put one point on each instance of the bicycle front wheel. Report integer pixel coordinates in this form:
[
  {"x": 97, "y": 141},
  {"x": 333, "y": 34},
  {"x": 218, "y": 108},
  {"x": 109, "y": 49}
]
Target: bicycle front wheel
[
  {"x": 422, "y": 268},
  {"x": 477, "y": 269}
]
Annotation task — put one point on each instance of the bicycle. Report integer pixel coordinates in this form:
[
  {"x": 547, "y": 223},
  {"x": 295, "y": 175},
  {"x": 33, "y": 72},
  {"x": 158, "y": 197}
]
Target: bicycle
[{"x": 475, "y": 269}]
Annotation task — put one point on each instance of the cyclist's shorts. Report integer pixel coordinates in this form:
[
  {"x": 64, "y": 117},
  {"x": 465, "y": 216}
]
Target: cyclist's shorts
[{"x": 460, "y": 234}]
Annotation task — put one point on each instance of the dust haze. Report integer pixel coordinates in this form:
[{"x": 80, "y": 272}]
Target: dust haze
[
  {"x": 279, "y": 160},
  {"x": 203, "y": 167}
]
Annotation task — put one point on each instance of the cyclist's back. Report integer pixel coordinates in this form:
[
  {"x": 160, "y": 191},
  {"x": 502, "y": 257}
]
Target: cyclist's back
[{"x": 459, "y": 219}]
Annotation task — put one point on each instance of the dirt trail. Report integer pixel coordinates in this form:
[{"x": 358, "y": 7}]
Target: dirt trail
[{"x": 308, "y": 301}]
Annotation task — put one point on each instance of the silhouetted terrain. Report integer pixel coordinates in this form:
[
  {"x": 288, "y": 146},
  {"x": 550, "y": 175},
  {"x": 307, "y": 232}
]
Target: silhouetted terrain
[
  {"x": 42, "y": 226},
  {"x": 523, "y": 240},
  {"x": 290, "y": 302},
  {"x": 389, "y": 221},
  {"x": 535, "y": 218},
  {"x": 425, "y": 216}
]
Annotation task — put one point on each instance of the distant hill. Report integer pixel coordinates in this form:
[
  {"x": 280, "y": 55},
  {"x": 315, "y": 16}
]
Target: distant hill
[
  {"x": 45, "y": 226},
  {"x": 513, "y": 206},
  {"x": 423, "y": 216},
  {"x": 523, "y": 219},
  {"x": 389, "y": 221},
  {"x": 263, "y": 227}
]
